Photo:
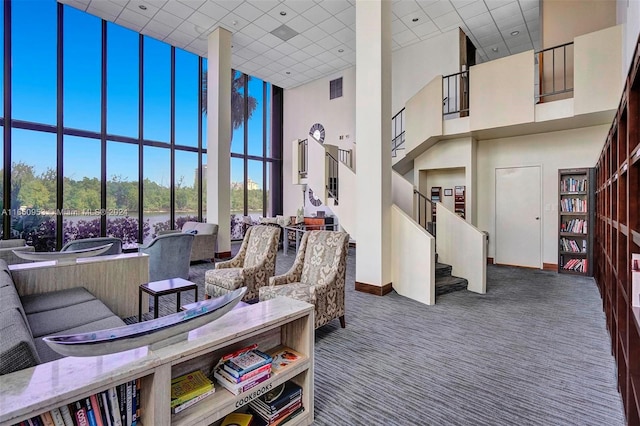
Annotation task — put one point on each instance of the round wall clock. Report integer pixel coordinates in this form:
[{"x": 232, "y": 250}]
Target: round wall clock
[
  {"x": 317, "y": 132},
  {"x": 313, "y": 199}
]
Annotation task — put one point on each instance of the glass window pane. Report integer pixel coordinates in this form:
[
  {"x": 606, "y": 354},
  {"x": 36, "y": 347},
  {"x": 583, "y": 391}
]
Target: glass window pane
[
  {"x": 186, "y": 98},
  {"x": 204, "y": 187},
  {"x": 255, "y": 123},
  {"x": 122, "y": 193},
  {"x": 255, "y": 189},
  {"x": 157, "y": 90},
  {"x": 81, "y": 188},
  {"x": 122, "y": 81},
  {"x": 203, "y": 79},
  {"x": 268, "y": 187},
  {"x": 33, "y": 188},
  {"x": 237, "y": 198},
  {"x": 156, "y": 189},
  {"x": 186, "y": 187},
  {"x": 237, "y": 112},
  {"x": 82, "y": 69},
  {"x": 33, "y": 85}
]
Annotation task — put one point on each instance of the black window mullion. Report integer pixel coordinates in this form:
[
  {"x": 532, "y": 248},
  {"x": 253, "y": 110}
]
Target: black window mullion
[
  {"x": 264, "y": 148},
  {"x": 140, "y": 136},
  {"x": 60, "y": 126},
  {"x": 103, "y": 132},
  {"x": 172, "y": 174},
  {"x": 6, "y": 129},
  {"x": 246, "y": 143},
  {"x": 201, "y": 214}
]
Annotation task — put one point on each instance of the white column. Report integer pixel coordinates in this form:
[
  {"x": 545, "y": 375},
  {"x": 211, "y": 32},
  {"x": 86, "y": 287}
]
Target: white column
[
  {"x": 219, "y": 136},
  {"x": 373, "y": 132}
]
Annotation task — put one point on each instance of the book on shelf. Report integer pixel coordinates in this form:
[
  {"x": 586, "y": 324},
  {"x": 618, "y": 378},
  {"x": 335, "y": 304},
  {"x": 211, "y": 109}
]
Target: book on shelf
[
  {"x": 66, "y": 415},
  {"x": 225, "y": 380},
  {"x": 283, "y": 358},
  {"x": 46, "y": 419},
  {"x": 573, "y": 185},
  {"x": 58, "y": 419},
  {"x": 246, "y": 362},
  {"x": 114, "y": 407},
  {"x": 237, "y": 419},
  {"x": 277, "y": 398},
  {"x": 193, "y": 401},
  {"x": 188, "y": 386}
]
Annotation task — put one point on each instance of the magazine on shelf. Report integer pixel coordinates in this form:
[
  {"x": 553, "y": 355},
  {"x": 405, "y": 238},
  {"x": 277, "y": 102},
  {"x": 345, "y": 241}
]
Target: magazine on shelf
[
  {"x": 283, "y": 358},
  {"x": 189, "y": 386}
]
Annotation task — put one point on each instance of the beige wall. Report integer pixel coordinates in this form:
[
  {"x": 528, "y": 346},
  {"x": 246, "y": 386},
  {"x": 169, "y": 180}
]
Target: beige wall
[
  {"x": 562, "y": 20},
  {"x": 598, "y": 62},
  {"x": 402, "y": 193},
  {"x": 629, "y": 14},
  {"x": 501, "y": 92},
  {"x": 551, "y": 151},
  {"x": 423, "y": 116}
]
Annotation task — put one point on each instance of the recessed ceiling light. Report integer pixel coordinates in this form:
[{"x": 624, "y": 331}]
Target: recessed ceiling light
[
  {"x": 495, "y": 49},
  {"x": 515, "y": 33},
  {"x": 340, "y": 50},
  {"x": 142, "y": 6},
  {"x": 288, "y": 72},
  {"x": 415, "y": 19},
  {"x": 283, "y": 13}
]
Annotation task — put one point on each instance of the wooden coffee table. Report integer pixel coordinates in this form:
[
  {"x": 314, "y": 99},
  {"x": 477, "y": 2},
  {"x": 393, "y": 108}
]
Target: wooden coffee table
[{"x": 161, "y": 288}]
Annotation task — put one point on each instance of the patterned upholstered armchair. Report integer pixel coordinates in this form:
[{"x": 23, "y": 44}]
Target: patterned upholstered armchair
[
  {"x": 252, "y": 267},
  {"x": 317, "y": 275}
]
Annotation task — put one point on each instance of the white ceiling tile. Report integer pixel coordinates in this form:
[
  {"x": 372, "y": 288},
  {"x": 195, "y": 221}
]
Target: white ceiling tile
[
  {"x": 274, "y": 55},
  {"x": 438, "y": 9},
  {"x": 448, "y": 20},
  {"x": 263, "y": 5},
  {"x": 316, "y": 14},
  {"x": 168, "y": 19},
  {"x": 200, "y": 44},
  {"x": 485, "y": 30},
  {"x": 282, "y": 7},
  {"x": 314, "y": 33},
  {"x": 228, "y": 4},
  {"x": 326, "y": 57},
  {"x": 285, "y": 48},
  {"x": 405, "y": 7},
  {"x": 99, "y": 13},
  {"x": 213, "y": 10},
  {"x": 189, "y": 28},
  {"x": 245, "y": 53},
  {"x": 300, "y": 56},
  {"x": 521, "y": 48},
  {"x": 151, "y": 7},
  {"x": 193, "y": 4},
  {"x": 134, "y": 17},
  {"x": 178, "y": 38},
  {"x": 122, "y": 3},
  {"x": 529, "y": 4},
  {"x": 313, "y": 73},
  {"x": 419, "y": 15},
  {"x": 522, "y": 32},
  {"x": 334, "y": 6},
  {"x": 347, "y": 16},
  {"x": 104, "y": 6},
  {"x": 425, "y": 29},
  {"x": 299, "y": 41},
  {"x": 493, "y": 38},
  {"x": 405, "y": 37},
  {"x": 300, "y": 67},
  {"x": 176, "y": 9},
  {"x": 77, "y": 4},
  {"x": 345, "y": 35},
  {"x": 262, "y": 60},
  {"x": 479, "y": 20},
  {"x": 331, "y": 25},
  {"x": 236, "y": 61},
  {"x": 131, "y": 25},
  {"x": 276, "y": 67},
  {"x": 313, "y": 49},
  {"x": 233, "y": 22},
  {"x": 300, "y": 24},
  {"x": 267, "y": 23},
  {"x": 493, "y": 4},
  {"x": 532, "y": 14},
  {"x": 328, "y": 43},
  {"x": 253, "y": 31},
  {"x": 398, "y": 27},
  {"x": 160, "y": 30},
  {"x": 512, "y": 21},
  {"x": 271, "y": 40},
  {"x": 150, "y": 33},
  {"x": 288, "y": 61},
  {"x": 473, "y": 9},
  {"x": 460, "y": 3},
  {"x": 200, "y": 20},
  {"x": 351, "y": 44},
  {"x": 248, "y": 12},
  {"x": 506, "y": 11},
  {"x": 301, "y": 5},
  {"x": 313, "y": 62},
  {"x": 258, "y": 47}
]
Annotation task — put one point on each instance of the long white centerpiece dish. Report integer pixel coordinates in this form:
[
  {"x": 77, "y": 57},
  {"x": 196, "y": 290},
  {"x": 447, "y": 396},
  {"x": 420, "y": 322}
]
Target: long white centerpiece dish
[
  {"x": 103, "y": 342},
  {"x": 62, "y": 257}
]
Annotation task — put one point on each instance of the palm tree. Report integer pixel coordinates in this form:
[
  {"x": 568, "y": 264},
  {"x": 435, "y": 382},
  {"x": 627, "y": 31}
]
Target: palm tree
[{"x": 237, "y": 98}]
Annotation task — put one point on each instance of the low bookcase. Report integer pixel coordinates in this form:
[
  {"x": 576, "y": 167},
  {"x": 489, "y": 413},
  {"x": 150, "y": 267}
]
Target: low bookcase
[{"x": 283, "y": 321}]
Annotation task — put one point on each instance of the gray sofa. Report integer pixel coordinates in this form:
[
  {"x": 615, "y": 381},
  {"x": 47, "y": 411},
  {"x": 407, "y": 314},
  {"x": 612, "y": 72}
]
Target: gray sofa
[
  {"x": 204, "y": 242},
  {"x": 168, "y": 256},
  {"x": 25, "y": 320},
  {"x": 7, "y": 247}
]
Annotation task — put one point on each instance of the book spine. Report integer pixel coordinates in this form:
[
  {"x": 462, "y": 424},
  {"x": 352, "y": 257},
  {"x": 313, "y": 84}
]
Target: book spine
[
  {"x": 280, "y": 404},
  {"x": 114, "y": 407},
  {"x": 80, "y": 414},
  {"x": 193, "y": 401},
  {"x": 97, "y": 413},
  {"x": 66, "y": 416},
  {"x": 188, "y": 396},
  {"x": 122, "y": 403},
  {"x": 129, "y": 400},
  {"x": 138, "y": 402},
  {"x": 57, "y": 418},
  {"x": 46, "y": 419},
  {"x": 91, "y": 416},
  {"x": 134, "y": 396},
  {"x": 36, "y": 421},
  {"x": 104, "y": 408}
]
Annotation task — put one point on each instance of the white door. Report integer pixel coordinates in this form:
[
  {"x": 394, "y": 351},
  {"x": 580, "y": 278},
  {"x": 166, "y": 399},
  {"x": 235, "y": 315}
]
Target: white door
[{"x": 518, "y": 216}]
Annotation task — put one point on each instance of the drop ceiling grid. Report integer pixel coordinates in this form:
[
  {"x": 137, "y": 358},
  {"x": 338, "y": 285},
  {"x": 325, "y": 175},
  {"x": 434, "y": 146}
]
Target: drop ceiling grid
[{"x": 326, "y": 41}]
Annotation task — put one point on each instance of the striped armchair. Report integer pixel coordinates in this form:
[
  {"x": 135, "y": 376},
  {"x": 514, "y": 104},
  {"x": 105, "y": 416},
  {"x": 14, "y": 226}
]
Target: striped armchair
[
  {"x": 317, "y": 275},
  {"x": 252, "y": 267}
]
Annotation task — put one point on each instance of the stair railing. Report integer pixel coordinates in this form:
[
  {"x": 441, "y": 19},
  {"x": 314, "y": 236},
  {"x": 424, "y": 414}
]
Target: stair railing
[
  {"x": 345, "y": 155},
  {"x": 425, "y": 212},
  {"x": 332, "y": 176},
  {"x": 302, "y": 158},
  {"x": 555, "y": 76},
  {"x": 397, "y": 130},
  {"x": 455, "y": 94}
]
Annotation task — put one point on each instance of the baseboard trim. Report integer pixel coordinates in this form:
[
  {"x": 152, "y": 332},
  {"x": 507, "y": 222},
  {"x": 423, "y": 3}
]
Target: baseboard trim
[
  {"x": 223, "y": 255},
  {"x": 376, "y": 290},
  {"x": 490, "y": 261},
  {"x": 550, "y": 267}
]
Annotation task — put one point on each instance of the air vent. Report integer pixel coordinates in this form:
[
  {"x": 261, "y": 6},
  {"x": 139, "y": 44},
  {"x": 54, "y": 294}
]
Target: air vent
[
  {"x": 284, "y": 33},
  {"x": 335, "y": 88}
]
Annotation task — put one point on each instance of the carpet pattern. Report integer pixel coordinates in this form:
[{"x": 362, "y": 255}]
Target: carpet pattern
[{"x": 534, "y": 350}]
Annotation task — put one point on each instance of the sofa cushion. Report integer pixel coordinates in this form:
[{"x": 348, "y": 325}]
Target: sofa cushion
[
  {"x": 298, "y": 291},
  {"x": 227, "y": 278},
  {"x": 47, "y": 354},
  {"x": 56, "y": 320},
  {"x": 16, "y": 242},
  {"x": 18, "y": 349},
  {"x": 34, "y": 303},
  {"x": 5, "y": 274}
]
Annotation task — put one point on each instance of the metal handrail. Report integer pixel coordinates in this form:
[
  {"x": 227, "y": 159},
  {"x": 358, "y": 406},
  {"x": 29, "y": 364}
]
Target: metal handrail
[
  {"x": 455, "y": 94},
  {"x": 540, "y": 57},
  {"x": 425, "y": 212},
  {"x": 332, "y": 176},
  {"x": 397, "y": 129},
  {"x": 345, "y": 155},
  {"x": 302, "y": 158}
]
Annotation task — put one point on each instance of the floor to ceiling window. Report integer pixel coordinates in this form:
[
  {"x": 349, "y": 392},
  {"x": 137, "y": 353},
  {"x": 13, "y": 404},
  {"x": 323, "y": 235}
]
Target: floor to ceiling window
[{"x": 106, "y": 133}]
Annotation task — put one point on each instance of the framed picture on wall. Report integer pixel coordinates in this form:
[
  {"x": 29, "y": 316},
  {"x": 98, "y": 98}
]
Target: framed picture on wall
[{"x": 448, "y": 192}]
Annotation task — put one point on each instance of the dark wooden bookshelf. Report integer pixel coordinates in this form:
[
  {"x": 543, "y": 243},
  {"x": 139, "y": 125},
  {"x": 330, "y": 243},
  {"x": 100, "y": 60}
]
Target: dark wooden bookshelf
[
  {"x": 576, "y": 184},
  {"x": 617, "y": 239}
]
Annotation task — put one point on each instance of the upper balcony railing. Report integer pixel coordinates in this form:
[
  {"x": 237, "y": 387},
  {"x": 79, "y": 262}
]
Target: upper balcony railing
[
  {"x": 455, "y": 94},
  {"x": 346, "y": 156},
  {"x": 302, "y": 158},
  {"x": 555, "y": 71},
  {"x": 425, "y": 212},
  {"x": 397, "y": 129},
  {"x": 332, "y": 176}
]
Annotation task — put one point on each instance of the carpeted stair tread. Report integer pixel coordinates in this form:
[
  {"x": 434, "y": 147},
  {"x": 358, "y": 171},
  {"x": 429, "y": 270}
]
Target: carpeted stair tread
[
  {"x": 450, "y": 284},
  {"x": 442, "y": 270}
]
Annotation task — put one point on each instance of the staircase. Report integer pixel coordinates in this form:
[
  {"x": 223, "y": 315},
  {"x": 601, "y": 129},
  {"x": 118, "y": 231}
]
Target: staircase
[{"x": 445, "y": 282}]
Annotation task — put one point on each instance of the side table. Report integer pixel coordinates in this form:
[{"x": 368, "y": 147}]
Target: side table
[{"x": 160, "y": 288}]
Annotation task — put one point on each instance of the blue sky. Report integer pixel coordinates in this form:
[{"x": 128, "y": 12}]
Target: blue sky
[{"x": 34, "y": 97}]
